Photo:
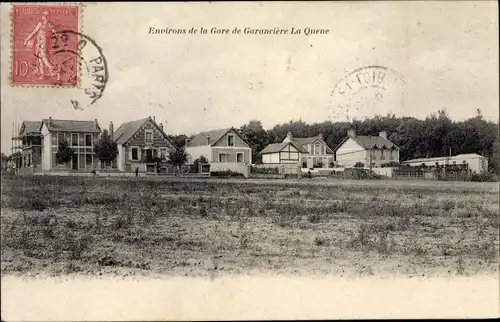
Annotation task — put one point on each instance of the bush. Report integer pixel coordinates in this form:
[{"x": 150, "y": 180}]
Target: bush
[
  {"x": 274, "y": 170},
  {"x": 359, "y": 165},
  {"x": 484, "y": 177},
  {"x": 227, "y": 173}
]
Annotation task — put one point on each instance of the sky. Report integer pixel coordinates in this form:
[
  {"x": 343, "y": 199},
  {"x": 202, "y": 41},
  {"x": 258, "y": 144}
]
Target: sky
[{"x": 446, "y": 52}]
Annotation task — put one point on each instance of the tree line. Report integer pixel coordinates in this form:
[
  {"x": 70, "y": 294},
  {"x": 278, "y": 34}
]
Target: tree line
[{"x": 436, "y": 135}]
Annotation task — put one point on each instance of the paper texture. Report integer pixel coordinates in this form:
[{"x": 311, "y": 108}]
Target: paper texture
[{"x": 204, "y": 66}]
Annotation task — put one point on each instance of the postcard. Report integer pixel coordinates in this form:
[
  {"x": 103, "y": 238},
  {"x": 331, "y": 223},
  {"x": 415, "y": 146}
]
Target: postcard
[{"x": 260, "y": 160}]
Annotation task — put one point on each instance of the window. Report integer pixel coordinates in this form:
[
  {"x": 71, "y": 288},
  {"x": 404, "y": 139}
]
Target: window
[
  {"x": 316, "y": 149},
  {"x": 222, "y": 157},
  {"x": 60, "y": 138},
  {"x": 454, "y": 162},
  {"x": 382, "y": 156},
  {"x": 230, "y": 140},
  {"x": 135, "y": 154},
  {"x": 88, "y": 140},
  {"x": 373, "y": 156},
  {"x": 149, "y": 136},
  {"x": 391, "y": 155},
  {"x": 239, "y": 157},
  {"x": 74, "y": 139},
  {"x": 163, "y": 153},
  {"x": 88, "y": 160}
]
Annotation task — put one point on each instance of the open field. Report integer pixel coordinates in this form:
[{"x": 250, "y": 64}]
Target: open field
[{"x": 200, "y": 227}]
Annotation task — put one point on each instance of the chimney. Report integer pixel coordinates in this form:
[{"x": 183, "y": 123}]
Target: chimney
[
  {"x": 50, "y": 120},
  {"x": 111, "y": 130},
  {"x": 154, "y": 118},
  {"x": 351, "y": 133},
  {"x": 383, "y": 134},
  {"x": 320, "y": 136},
  {"x": 208, "y": 139},
  {"x": 161, "y": 126},
  {"x": 96, "y": 124},
  {"x": 289, "y": 137}
]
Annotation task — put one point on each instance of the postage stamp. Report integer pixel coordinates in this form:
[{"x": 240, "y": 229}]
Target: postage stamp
[
  {"x": 368, "y": 88},
  {"x": 39, "y": 56}
]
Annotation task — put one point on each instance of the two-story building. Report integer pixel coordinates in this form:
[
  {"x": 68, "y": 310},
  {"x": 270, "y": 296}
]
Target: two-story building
[
  {"x": 80, "y": 136},
  {"x": 310, "y": 152},
  {"x": 139, "y": 143},
  {"x": 29, "y": 144},
  {"x": 225, "y": 149},
  {"x": 367, "y": 150}
]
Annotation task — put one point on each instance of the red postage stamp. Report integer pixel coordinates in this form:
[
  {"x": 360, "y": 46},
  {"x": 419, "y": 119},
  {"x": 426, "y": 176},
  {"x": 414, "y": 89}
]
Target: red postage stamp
[{"x": 41, "y": 54}]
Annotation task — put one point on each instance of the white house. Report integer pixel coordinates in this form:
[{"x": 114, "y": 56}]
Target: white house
[
  {"x": 475, "y": 162},
  {"x": 310, "y": 152},
  {"x": 224, "y": 149},
  {"x": 374, "y": 150},
  {"x": 80, "y": 136}
]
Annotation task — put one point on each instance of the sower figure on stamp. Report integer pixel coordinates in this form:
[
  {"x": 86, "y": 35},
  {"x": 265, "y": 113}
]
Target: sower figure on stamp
[{"x": 42, "y": 33}]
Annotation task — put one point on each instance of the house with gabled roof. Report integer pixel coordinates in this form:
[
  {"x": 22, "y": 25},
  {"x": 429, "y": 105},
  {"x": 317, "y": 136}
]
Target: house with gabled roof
[
  {"x": 80, "y": 135},
  {"x": 368, "y": 150},
  {"x": 309, "y": 152},
  {"x": 29, "y": 143},
  {"x": 139, "y": 143},
  {"x": 225, "y": 149}
]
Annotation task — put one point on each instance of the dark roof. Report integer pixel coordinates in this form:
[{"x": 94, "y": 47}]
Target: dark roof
[
  {"x": 277, "y": 147},
  {"x": 200, "y": 139},
  {"x": 310, "y": 140},
  {"x": 370, "y": 142},
  {"x": 128, "y": 129},
  {"x": 125, "y": 131},
  {"x": 30, "y": 127},
  {"x": 72, "y": 126}
]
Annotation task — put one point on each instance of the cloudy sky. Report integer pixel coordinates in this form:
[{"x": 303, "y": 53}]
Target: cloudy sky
[{"x": 447, "y": 53}]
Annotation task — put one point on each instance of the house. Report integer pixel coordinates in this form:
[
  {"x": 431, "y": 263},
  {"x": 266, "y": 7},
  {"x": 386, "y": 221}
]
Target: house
[
  {"x": 29, "y": 145},
  {"x": 139, "y": 143},
  {"x": 225, "y": 149},
  {"x": 310, "y": 152},
  {"x": 80, "y": 135},
  {"x": 374, "y": 150},
  {"x": 475, "y": 162}
]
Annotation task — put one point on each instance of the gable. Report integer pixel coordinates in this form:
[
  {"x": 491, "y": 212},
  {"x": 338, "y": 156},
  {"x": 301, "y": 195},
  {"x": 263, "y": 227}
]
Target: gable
[
  {"x": 134, "y": 133},
  {"x": 237, "y": 140},
  {"x": 138, "y": 138},
  {"x": 350, "y": 144}
]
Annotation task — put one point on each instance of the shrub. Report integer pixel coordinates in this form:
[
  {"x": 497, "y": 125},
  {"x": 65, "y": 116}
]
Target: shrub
[
  {"x": 484, "y": 177},
  {"x": 320, "y": 241},
  {"x": 274, "y": 170},
  {"x": 359, "y": 165},
  {"x": 227, "y": 173}
]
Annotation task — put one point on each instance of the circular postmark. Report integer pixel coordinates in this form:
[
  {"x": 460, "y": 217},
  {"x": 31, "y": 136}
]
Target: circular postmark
[
  {"x": 91, "y": 67},
  {"x": 373, "y": 88}
]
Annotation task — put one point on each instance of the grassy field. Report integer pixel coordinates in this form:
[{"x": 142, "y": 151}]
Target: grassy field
[{"x": 129, "y": 226}]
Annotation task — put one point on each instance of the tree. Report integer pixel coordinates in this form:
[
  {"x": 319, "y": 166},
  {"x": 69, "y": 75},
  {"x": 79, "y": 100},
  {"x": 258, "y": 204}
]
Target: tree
[
  {"x": 177, "y": 156},
  {"x": 105, "y": 148},
  {"x": 64, "y": 152},
  {"x": 257, "y": 138}
]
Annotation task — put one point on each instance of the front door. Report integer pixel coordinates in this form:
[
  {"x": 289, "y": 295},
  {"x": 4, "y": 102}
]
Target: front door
[
  {"x": 74, "y": 162},
  {"x": 149, "y": 155}
]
